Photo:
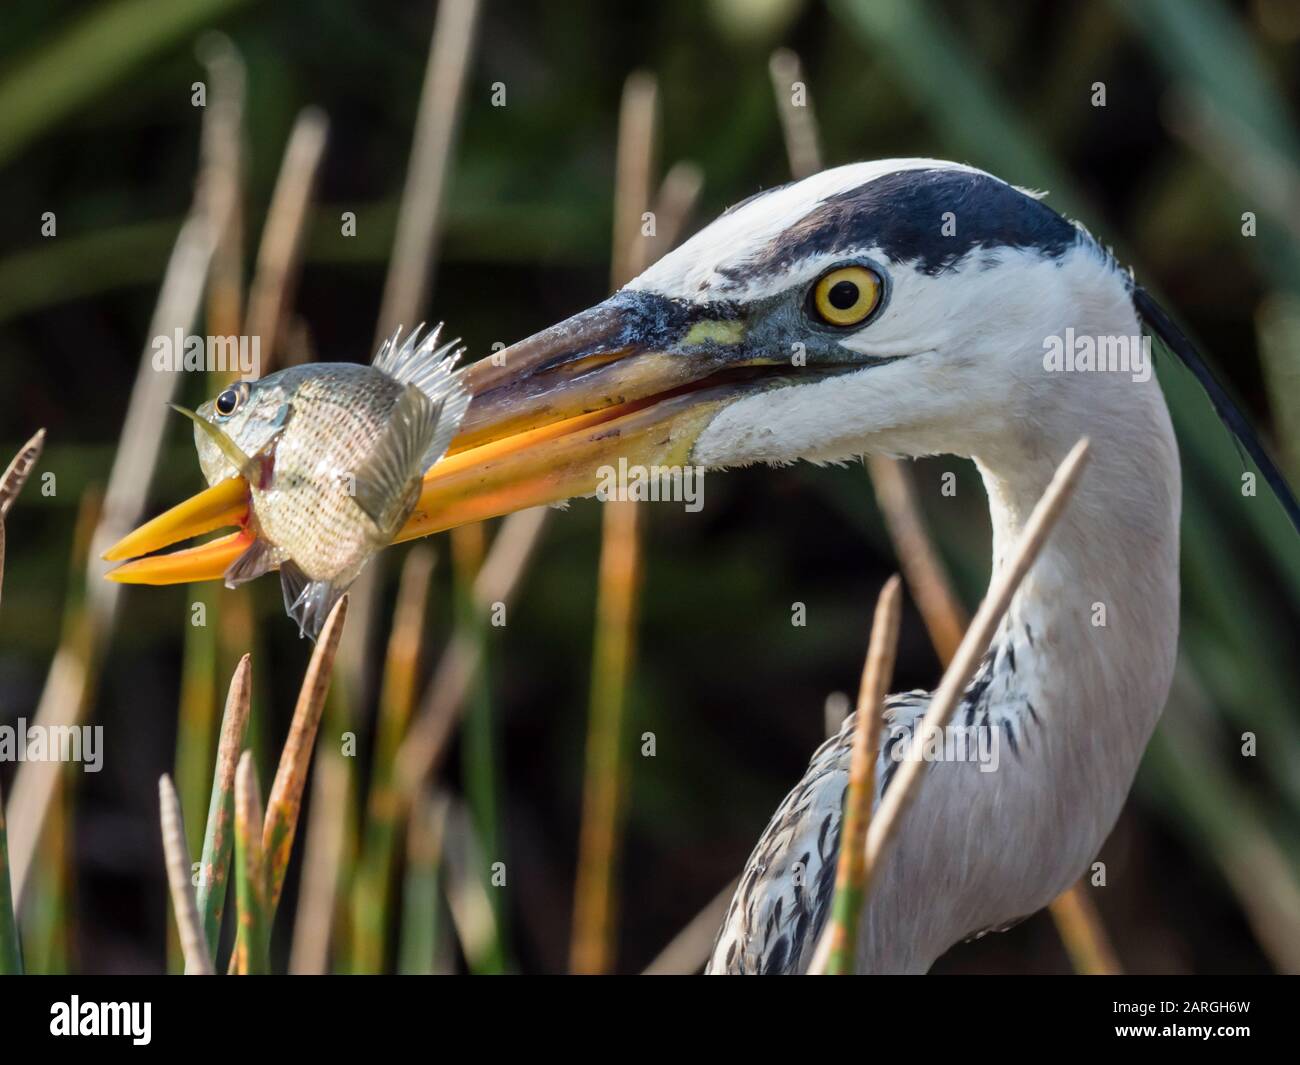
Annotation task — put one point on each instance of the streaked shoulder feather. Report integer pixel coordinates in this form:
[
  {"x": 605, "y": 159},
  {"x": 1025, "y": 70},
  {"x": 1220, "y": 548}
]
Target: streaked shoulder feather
[{"x": 784, "y": 895}]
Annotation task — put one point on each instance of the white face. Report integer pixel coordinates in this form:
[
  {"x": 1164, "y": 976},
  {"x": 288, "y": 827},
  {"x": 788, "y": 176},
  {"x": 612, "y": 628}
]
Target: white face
[{"x": 975, "y": 275}]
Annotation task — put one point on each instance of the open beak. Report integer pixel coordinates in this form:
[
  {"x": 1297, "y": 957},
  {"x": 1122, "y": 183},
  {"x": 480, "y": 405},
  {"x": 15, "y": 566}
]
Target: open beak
[{"x": 637, "y": 377}]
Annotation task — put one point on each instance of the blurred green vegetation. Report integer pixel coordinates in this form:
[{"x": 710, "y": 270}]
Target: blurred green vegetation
[{"x": 97, "y": 126}]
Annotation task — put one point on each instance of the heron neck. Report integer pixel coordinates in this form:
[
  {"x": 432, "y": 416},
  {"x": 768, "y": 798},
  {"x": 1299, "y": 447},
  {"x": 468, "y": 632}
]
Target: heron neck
[
  {"x": 1098, "y": 611},
  {"x": 1075, "y": 679}
]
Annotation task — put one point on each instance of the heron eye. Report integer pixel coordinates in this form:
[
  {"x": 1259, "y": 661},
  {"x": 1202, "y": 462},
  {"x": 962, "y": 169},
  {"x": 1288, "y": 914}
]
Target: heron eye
[
  {"x": 228, "y": 402},
  {"x": 846, "y": 295}
]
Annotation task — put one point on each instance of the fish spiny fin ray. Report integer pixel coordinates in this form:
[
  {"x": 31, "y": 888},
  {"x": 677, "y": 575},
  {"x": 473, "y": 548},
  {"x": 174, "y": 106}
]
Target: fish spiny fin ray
[
  {"x": 387, "y": 351},
  {"x": 431, "y": 368},
  {"x": 383, "y": 482},
  {"x": 307, "y": 601}
]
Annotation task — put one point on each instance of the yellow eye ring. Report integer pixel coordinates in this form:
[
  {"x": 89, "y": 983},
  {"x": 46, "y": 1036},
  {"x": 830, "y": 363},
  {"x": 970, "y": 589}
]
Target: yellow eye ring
[{"x": 846, "y": 295}]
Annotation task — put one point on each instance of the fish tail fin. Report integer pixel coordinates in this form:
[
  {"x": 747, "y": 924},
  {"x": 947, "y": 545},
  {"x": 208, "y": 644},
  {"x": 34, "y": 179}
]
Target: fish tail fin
[
  {"x": 431, "y": 368},
  {"x": 307, "y": 601},
  {"x": 383, "y": 483}
]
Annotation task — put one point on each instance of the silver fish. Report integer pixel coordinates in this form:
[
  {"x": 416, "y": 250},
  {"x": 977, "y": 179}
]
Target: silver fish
[{"x": 334, "y": 454}]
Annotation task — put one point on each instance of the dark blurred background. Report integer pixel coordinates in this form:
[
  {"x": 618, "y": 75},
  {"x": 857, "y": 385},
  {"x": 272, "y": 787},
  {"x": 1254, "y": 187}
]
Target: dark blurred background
[{"x": 1198, "y": 127}]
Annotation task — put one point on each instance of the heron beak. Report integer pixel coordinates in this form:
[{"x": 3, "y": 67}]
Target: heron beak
[
  {"x": 634, "y": 378},
  {"x": 225, "y": 503}
]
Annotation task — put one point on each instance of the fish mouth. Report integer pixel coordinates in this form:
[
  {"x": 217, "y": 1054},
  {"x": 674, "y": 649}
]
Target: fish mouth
[{"x": 636, "y": 378}]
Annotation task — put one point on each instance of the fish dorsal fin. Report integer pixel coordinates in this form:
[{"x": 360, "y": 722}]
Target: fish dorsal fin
[
  {"x": 386, "y": 356},
  {"x": 307, "y": 601},
  {"x": 425, "y": 363},
  {"x": 432, "y": 369},
  {"x": 420, "y": 362},
  {"x": 382, "y": 483}
]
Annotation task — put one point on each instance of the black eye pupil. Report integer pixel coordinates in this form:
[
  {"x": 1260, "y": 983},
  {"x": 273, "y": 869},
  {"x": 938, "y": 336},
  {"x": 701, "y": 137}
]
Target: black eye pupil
[
  {"x": 843, "y": 295},
  {"x": 227, "y": 401}
]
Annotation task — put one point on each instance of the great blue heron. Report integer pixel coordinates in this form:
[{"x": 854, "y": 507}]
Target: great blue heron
[{"x": 909, "y": 307}]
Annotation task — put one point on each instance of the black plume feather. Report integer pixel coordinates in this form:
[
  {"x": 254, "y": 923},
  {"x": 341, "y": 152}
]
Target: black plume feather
[{"x": 1161, "y": 324}]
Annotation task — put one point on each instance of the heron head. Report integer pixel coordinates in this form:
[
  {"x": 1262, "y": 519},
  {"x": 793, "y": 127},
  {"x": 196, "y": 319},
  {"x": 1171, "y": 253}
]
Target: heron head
[{"x": 897, "y": 306}]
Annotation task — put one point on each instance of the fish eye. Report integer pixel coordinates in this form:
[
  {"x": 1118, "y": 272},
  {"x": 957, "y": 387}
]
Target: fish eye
[
  {"x": 228, "y": 402},
  {"x": 846, "y": 295}
]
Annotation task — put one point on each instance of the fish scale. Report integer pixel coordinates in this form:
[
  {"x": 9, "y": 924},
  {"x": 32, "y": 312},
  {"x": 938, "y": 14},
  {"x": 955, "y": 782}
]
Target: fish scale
[{"x": 309, "y": 510}]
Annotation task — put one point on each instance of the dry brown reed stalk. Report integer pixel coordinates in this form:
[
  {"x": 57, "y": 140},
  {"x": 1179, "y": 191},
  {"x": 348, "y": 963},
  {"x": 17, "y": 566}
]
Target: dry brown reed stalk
[
  {"x": 481, "y": 762},
  {"x": 594, "y": 919},
  {"x": 851, "y": 870},
  {"x": 422, "y": 750},
  {"x": 480, "y": 757},
  {"x": 47, "y": 930},
  {"x": 689, "y": 949},
  {"x": 286, "y": 791},
  {"x": 944, "y": 618},
  {"x": 220, "y": 190},
  {"x": 279, "y": 256},
  {"x": 594, "y": 904},
  {"x": 11, "y": 954},
  {"x": 198, "y": 960},
  {"x": 466, "y": 892},
  {"x": 1003, "y": 586},
  {"x": 214, "y": 866},
  {"x": 323, "y": 852},
  {"x": 423, "y": 948},
  {"x": 410, "y": 272},
  {"x": 673, "y": 203},
  {"x": 633, "y": 176},
  {"x": 74, "y": 667},
  {"x": 45, "y": 927},
  {"x": 285, "y": 801},
  {"x": 18, "y": 470},
  {"x": 931, "y": 589},
  {"x": 941, "y": 611},
  {"x": 299, "y": 344},
  {"x": 11, "y": 483},
  {"x": 794, "y": 106},
  {"x": 197, "y": 720},
  {"x": 222, "y": 184},
  {"x": 1083, "y": 934},
  {"x": 835, "y": 710},
  {"x": 411, "y": 268},
  {"x": 253, "y": 935},
  {"x": 384, "y": 812}
]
